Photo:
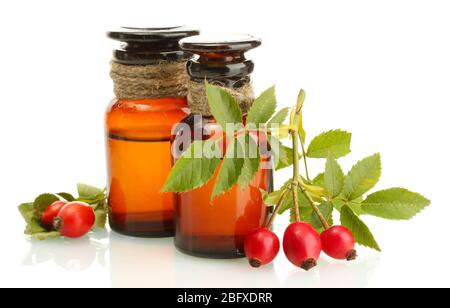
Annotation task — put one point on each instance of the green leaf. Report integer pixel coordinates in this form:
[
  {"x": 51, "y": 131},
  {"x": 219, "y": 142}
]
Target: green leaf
[
  {"x": 319, "y": 180},
  {"x": 336, "y": 142},
  {"x": 66, "y": 196},
  {"x": 327, "y": 211},
  {"x": 194, "y": 168},
  {"x": 223, "y": 106},
  {"x": 360, "y": 231},
  {"x": 34, "y": 227},
  {"x": 42, "y": 236},
  {"x": 363, "y": 177},
  {"x": 289, "y": 202},
  {"x": 251, "y": 160},
  {"x": 279, "y": 118},
  {"x": 298, "y": 122},
  {"x": 333, "y": 178},
  {"x": 88, "y": 192},
  {"x": 26, "y": 210},
  {"x": 42, "y": 202},
  {"x": 305, "y": 214},
  {"x": 100, "y": 219},
  {"x": 230, "y": 170},
  {"x": 395, "y": 204},
  {"x": 272, "y": 198},
  {"x": 263, "y": 107},
  {"x": 355, "y": 205},
  {"x": 282, "y": 155}
]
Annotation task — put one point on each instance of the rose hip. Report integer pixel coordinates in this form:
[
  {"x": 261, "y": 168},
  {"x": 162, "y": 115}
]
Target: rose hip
[
  {"x": 50, "y": 213},
  {"x": 75, "y": 219},
  {"x": 339, "y": 243},
  {"x": 261, "y": 247},
  {"x": 302, "y": 245}
]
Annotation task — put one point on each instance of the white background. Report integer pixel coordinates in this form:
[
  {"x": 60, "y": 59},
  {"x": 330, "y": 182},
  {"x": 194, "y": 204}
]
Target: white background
[{"x": 380, "y": 69}]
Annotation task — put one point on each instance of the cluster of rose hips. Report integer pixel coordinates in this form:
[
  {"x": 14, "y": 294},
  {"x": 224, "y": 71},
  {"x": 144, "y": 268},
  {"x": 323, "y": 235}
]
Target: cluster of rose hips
[
  {"x": 70, "y": 219},
  {"x": 302, "y": 245}
]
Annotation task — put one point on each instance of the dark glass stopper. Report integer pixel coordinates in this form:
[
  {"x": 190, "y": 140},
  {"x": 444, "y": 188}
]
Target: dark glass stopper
[
  {"x": 220, "y": 59},
  {"x": 146, "y": 46}
]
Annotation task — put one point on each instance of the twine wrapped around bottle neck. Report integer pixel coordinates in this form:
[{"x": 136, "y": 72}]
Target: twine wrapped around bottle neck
[
  {"x": 198, "y": 101},
  {"x": 136, "y": 82}
]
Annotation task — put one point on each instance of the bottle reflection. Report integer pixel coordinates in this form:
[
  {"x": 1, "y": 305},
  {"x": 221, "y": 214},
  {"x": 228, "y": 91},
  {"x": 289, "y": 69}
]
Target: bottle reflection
[{"x": 143, "y": 263}]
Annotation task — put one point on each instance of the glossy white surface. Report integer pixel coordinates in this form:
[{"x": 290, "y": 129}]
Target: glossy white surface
[{"x": 377, "y": 68}]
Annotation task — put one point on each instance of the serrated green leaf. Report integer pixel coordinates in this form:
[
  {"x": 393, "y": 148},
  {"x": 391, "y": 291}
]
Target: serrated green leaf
[
  {"x": 66, "y": 196},
  {"x": 327, "y": 211},
  {"x": 42, "y": 202},
  {"x": 319, "y": 180},
  {"x": 42, "y": 236},
  {"x": 88, "y": 192},
  {"x": 251, "y": 161},
  {"x": 395, "y": 204},
  {"x": 355, "y": 205},
  {"x": 335, "y": 142},
  {"x": 26, "y": 210},
  {"x": 333, "y": 178},
  {"x": 282, "y": 155},
  {"x": 230, "y": 170},
  {"x": 362, "y": 177},
  {"x": 263, "y": 107},
  {"x": 279, "y": 118},
  {"x": 195, "y": 167},
  {"x": 360, "y": 231},
  {"x": 223, "y": 106}
]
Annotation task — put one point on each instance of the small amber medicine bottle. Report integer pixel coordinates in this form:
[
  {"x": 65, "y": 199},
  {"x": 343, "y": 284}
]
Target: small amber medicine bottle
[
  {"x": 150, "y": 83},
  {"x": 217, "y": 230}
]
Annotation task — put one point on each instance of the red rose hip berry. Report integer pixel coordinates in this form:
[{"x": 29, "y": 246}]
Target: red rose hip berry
[
  {"x": 261, "y": 247},
  {"x": 50, "y": 213},
  {"x": 339, "y": 243},
  {"x": 302, "y": 245},
  {"x": 75, "y": 219}
]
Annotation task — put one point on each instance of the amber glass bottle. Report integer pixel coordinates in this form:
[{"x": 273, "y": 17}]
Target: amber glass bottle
[
  {"x": 218, "y": 230},
  {"x": 149, "y": 77}
]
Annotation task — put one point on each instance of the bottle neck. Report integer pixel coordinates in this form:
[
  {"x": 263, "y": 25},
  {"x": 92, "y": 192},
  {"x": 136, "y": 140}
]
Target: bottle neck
[{"x": 167, "y": 79}]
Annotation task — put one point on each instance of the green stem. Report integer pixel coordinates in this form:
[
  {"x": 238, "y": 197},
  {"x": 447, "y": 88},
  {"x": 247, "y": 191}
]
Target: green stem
[
  {"x": 315, "y": 209},
  {"x": 304, "y": 159},
  {"x": 296, "y": 205},
  {"x": 295, "y": 184},
  {"x": 277, "y": 209}
]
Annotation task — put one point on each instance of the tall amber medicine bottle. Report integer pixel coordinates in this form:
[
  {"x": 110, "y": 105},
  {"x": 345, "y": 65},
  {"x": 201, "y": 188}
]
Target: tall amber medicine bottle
[
  {"x": 150, "y": 83},
  {"x": 217, "y": 230}
]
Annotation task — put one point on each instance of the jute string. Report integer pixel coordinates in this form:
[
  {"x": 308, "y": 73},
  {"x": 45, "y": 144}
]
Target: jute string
[
  {"x": 135, "y": 82},
  {"x": 198, "y": 101}
]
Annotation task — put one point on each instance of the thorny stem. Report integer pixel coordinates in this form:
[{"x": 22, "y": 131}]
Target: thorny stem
[
  {"x": 277, "y": 209},
  {"x": 295, "y": 184}
]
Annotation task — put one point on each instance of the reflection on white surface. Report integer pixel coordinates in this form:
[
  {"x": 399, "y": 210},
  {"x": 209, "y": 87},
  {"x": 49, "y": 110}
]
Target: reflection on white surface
[
  {"x": 332, "y": 273},
  {"x": 135, "y": 262},
  {"x": 74, "y": 255}
]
